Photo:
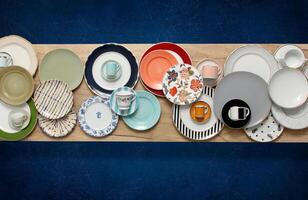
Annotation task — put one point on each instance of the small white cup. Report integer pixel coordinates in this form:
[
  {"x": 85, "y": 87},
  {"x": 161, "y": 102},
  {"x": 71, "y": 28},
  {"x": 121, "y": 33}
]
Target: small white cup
[
  {"x": 237, "y": 113},
  {"x": 18, "y": 118},
  {"x": 5, "y": 59},
  {"x": 293, "y": 58},
  {"x": 124, "y": 99}
]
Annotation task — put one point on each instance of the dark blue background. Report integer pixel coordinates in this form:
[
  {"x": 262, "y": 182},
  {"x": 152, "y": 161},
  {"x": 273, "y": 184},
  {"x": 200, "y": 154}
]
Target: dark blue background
[{"x": 30, "y": 170}]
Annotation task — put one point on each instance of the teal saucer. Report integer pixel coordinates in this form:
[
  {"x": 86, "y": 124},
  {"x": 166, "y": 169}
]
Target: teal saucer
[
  {"x": 104, "y": 72},
  {"x": 147, "y": 113}
]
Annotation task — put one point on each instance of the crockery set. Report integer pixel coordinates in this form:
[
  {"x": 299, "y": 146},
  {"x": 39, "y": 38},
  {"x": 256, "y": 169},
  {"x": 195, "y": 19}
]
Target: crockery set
[{"x": 254, "y": 90}]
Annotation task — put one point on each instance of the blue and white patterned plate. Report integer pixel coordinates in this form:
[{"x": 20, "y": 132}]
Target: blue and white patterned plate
[
  {"x": 114, "y": 105},
  {"x": 96, "y": 118}
]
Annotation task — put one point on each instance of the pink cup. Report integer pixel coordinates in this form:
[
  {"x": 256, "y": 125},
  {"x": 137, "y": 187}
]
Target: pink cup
[{"x": 210, "y": 72}]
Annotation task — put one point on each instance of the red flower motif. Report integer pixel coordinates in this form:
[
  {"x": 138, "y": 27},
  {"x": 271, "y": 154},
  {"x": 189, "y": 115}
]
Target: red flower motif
[
  {"x": 173, "y": 91},
  {"x": 195, "y": 85}
]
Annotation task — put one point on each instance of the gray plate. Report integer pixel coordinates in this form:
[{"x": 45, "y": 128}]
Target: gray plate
[{"x": 245, "y": 86}]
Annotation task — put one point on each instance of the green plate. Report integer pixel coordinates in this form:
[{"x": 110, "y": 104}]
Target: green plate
[
  {"x": 147, "y": 113},
  {"x": 63, "y": 65},
  {"x": 24, "y": 132}
]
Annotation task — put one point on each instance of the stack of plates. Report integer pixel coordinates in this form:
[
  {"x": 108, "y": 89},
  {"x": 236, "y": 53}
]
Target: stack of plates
[
  {"x": 156, "y": 61},
  {"x": 127, "y": 74}
]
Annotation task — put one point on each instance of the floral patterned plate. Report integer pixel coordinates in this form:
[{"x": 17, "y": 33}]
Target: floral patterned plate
[
  {"x": 96, "y": 118},
  {"x": 182, "y": 84}
]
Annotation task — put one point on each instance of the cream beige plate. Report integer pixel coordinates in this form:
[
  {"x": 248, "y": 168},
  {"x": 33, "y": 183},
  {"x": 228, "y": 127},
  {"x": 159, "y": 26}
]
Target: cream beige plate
[
  {"x": 21, "y": 51},
  {"x": 16, "y": 85},
  {"x": 53, "y": 99}
]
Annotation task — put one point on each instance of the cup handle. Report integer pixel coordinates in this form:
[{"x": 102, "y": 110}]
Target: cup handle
[
  {"x": 247, "y": 112},
  {"x": 134, "y": 97},
  {"x": 206, "y": 110}
]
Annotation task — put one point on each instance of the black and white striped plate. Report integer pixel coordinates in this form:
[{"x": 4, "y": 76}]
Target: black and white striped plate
[
  {"x": 189, "y": 128},
  {"x": 53, "y": 99}
]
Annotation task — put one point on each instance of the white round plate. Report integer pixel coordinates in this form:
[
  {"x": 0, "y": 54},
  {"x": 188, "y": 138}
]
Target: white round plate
[
  {"x": 4, "y": 117},
  {"x": 21, "y": 51},
  {"x": 58, "y": 127},
  {"x": 125, "y": 67},
  {"x": 267, "y": 131},
  {"x": 53, "y": 99},
  {"x": 209, "y": 62},
  {"x": 189, "y": 128},
  {"x": 288, "y": 88},
  {"x": 278, "y": 53},
  {"x": 296, "y": 118},
  {"x": 182, "y": 84},
  {"x": 254, "y": 59},
  {"x": 96, "y": 118}
]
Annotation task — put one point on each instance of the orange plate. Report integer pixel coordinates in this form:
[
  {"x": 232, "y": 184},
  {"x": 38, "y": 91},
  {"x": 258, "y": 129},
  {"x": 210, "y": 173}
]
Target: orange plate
[
  {"x": 206, "y": 116},
  {"x": 154, "y": 66}
]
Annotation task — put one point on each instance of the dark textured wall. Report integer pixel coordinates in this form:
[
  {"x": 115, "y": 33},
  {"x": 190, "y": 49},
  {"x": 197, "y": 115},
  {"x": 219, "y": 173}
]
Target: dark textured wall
[{"x": 33, "y": 170}]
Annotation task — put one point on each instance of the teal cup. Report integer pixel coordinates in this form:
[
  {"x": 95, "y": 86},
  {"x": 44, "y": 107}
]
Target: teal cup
[{"x": 111, "y": 70}]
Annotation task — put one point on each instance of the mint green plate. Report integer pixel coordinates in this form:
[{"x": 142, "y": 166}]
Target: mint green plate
[
  {"x": 63, "y": 65},
  {"x": 24, "y": 132},
  {"x": 147, "y": 113}
]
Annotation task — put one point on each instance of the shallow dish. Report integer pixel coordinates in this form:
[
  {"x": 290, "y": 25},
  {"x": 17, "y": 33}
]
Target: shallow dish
[
  {"x": 296, "y": 118},
  {"x": 254, "y": 59},
  {"x": 96, "y": 118},
  {"x": 147, "y": 114},
  {"x": 16, "y": 85},
  {"x": 288, "y": 88},
  {"x": 172, "y": 47},
  {"x": 63, "y": 65},
  {"x": 154, "y": 66},
  {"x": 21, "y": 51},
  {"x": 247, "y": 87},
  {"x": 114, "y": 106},
  {"x": 58, "y": 127},
  {"x": 111, "y": 52},
  {"x": 182, "y": 84},
  {"x": 267, "y": 131},
  {"x": 53, "y": 99},
  {"x": 24, "y": 132},
  {"x": 189, "y": 128},
  {"x": 5, "y": 113}
]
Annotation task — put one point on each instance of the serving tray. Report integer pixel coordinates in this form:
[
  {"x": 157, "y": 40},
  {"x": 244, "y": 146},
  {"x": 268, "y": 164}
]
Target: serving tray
[{"x": 164, "y": 131}]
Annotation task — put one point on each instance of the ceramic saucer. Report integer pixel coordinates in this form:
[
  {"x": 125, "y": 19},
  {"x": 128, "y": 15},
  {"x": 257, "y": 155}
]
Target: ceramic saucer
[
  {"x": 182, "y": 84},
  {"x": 6, "y": 109},
  {"x": 267, "y": 131},
  {"x": 158, "y": 93},
  {"x": 254, "y": 59},
  {"x": 245, "y": 117},
  {"x": 154, "y": 66},
  {"x": 63, "y": 65},
  {"x": 16, "y": 85},
  {"x": 24, "y": 132},
  {"x": 170, "y": 47},
  {"x": 247, "y": 87},
  {"x": 188, "y": 127},
  {"x": 58, "y": 127},
  {"x": 209, "y": 62},
  {"x": 288, "y": 88},
  {"x": 105, "y": 53},
  {"x": 147, "y": 114},
  {"x": 21, "y": 51},
  {"x": 96, "y": 118},
  {"x": 282, "y": 49},
  {"x": 206, "y": 114},
  {"x": 114, "y": 106},
  {"x": 53, "y": 99},
  {"x": 296, "y": 118}
]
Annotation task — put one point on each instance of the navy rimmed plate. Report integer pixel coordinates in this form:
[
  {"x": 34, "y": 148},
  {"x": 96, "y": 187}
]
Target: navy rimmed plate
[{"x": 94, "y": 65}]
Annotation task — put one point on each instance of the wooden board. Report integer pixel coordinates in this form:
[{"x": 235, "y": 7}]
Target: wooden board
[{"x": 164, "y": 131}]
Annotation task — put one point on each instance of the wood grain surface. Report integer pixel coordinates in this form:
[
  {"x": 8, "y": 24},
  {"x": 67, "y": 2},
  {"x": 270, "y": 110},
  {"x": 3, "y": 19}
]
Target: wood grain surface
[{"x": 164, "y": 131}]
